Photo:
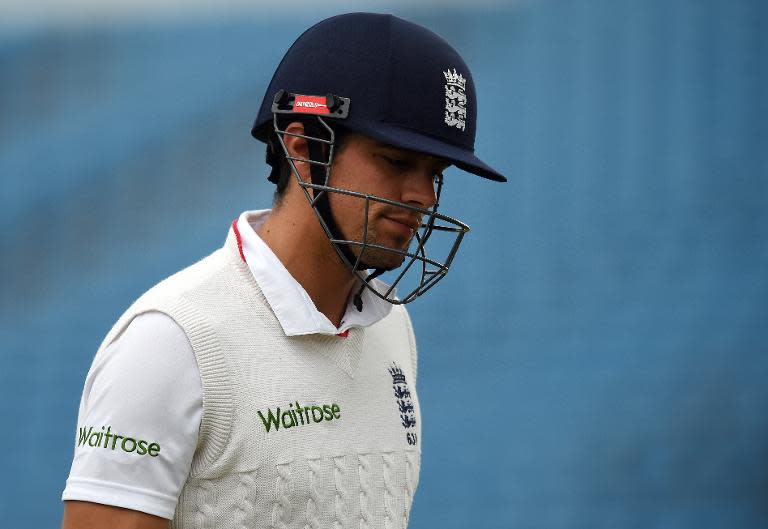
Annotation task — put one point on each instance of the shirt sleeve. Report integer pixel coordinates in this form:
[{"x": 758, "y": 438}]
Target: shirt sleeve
[{"x": 139, "y": 419}]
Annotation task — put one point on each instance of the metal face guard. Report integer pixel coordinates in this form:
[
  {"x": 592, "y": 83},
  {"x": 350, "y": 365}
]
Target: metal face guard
[{"x": 432, "y": 271}]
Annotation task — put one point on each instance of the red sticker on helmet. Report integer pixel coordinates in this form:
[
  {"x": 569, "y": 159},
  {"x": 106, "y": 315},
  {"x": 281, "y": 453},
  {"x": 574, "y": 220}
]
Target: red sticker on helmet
[{"x": 310, "y": 105}]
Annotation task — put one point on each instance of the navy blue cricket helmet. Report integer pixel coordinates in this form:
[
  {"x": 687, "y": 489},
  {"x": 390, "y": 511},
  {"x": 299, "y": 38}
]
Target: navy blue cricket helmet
[
  {"x": 398, "y": 83},
  {"x": 406, "y": 86}
]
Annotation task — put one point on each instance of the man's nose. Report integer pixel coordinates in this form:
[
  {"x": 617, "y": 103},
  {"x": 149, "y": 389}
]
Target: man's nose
[{"x": 419, "y": 189}]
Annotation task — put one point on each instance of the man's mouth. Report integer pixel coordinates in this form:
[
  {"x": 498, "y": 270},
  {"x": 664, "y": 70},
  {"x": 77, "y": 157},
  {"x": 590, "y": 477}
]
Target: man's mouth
[{"x": 405, "y": 225}]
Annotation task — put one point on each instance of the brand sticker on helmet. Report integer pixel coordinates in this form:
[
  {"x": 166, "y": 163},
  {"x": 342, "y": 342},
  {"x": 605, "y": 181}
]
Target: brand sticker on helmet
[
  {"x": 455, "y": 99},
  {"x": 311, "y": 105}
]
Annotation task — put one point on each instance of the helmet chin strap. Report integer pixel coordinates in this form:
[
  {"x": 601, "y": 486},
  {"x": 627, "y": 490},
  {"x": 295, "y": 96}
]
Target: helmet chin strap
[{"x": 319, "y": 174}]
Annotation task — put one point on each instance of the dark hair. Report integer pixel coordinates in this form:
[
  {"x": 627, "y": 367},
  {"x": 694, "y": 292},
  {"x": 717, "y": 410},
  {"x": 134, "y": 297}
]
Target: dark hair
[{"x": 282, "y": 173}]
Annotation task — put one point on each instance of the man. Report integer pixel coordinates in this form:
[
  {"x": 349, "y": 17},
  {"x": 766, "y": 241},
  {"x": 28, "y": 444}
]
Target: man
[{"x": 272, "y": 384}]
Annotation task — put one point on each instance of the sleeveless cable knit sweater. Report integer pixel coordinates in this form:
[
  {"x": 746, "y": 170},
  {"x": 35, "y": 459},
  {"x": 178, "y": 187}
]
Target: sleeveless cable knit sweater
[{"x": 302, "y": 432}]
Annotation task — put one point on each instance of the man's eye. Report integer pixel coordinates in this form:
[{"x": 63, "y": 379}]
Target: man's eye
[{"x": 395, "y": 162}]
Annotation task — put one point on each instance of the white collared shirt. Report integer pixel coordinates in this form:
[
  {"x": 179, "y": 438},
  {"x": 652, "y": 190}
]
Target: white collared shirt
[
  {"x": 131, "y": 361},
  {"x": 289, "y": 301}
]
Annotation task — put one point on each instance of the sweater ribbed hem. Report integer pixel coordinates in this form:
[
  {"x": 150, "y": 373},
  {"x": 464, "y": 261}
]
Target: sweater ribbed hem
[{"x": 216, "y": 421}]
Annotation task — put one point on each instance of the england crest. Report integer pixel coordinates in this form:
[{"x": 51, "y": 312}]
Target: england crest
[
  {"x": 455, "y": 99},
  {"x": 404, "y": 403}
]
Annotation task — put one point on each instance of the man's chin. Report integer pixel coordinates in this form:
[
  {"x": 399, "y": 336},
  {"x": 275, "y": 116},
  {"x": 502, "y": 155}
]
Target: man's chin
[{"x": 376, "y": 258}]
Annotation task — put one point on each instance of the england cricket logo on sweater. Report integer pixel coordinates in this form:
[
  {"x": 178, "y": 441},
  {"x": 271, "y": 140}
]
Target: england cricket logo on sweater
[
  {"x": 404, "y": 404},
  {"x": 455, "y": 99}
]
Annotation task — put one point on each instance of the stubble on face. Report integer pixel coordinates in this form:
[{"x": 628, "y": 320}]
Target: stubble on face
[{"x": 380, "y": 234}]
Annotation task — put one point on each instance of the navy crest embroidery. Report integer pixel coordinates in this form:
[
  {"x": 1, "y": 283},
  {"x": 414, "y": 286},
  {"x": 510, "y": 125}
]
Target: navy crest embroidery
[{"x": 404, "y": 403}]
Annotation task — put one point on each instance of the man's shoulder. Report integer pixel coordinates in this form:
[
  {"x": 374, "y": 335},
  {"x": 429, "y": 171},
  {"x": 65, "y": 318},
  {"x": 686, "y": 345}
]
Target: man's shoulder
[
  {"x": 394, "y": 326},
  {"x": 188, "y": 278},
  {"x": 397, "y": 317},
  {"x": 186, "y": 296},
  {"x": 176, "y": 290}
]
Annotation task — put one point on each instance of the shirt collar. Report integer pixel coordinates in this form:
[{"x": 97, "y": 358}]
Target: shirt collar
[{"x": 293, "y": 307}]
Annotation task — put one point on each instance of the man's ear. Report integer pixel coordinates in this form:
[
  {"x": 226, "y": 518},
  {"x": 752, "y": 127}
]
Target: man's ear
[{"x": 298, "y": 148}]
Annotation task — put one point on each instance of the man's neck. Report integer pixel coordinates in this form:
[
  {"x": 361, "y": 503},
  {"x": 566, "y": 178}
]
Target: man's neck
[{"x": 302, "y": 246}]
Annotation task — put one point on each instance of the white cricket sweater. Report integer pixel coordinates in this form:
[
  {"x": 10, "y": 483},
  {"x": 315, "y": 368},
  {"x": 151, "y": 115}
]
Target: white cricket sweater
[{"x": 297, "y": 431}]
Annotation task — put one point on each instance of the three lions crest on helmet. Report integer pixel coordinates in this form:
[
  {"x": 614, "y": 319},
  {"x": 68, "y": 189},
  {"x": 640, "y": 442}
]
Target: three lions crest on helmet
[{"x": 455, "y": 99}]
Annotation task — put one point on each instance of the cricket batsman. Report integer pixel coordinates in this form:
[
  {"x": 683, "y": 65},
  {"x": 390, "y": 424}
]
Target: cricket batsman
[{"x": 272, "y": 384}]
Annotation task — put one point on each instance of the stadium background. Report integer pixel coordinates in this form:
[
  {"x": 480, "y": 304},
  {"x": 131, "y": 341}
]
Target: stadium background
[{"x": 597, "y": 356}]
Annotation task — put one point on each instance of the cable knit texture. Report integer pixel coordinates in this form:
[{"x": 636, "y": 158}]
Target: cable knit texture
[{"x": 359, "y": 470}]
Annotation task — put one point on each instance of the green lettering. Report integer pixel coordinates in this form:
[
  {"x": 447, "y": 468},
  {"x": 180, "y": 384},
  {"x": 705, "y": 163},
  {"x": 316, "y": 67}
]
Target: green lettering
[
  {"x": 297, "y": 415},
  {"x": 84, "y": 435},
  {"x": 125, "y": 440},
  {"x": 287, "y": 413},
  {"x": 271, "y": 420}
]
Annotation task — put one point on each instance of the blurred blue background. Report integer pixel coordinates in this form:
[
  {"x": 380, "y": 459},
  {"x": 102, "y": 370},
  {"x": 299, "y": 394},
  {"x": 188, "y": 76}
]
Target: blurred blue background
[{"x": 597, "y": 357}]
